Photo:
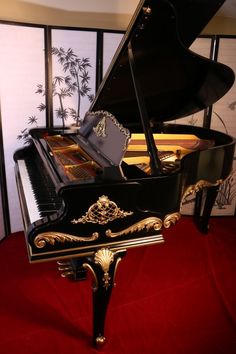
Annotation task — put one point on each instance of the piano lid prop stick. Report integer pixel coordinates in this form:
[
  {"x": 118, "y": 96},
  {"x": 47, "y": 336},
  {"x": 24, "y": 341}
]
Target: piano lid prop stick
[{"x": 155, "y": 162}]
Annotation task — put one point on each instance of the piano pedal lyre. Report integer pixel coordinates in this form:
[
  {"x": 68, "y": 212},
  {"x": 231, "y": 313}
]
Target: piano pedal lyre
[{"x": 65, "y": 269}]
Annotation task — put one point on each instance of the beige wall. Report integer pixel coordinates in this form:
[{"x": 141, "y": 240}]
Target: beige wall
[
  {"x": 24, "y": 11},
  {"x": 221, "y": 25},
  {"x": 16, "y": 10}
]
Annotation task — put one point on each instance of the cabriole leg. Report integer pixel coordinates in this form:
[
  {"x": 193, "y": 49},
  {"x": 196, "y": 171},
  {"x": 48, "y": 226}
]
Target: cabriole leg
[{"x": 103, "y": 268}]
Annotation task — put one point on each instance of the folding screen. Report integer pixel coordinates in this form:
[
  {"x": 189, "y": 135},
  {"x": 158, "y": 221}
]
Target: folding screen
[
  {"x": 22, "y": 70},
  {"x": 111, "y": 42},
  {"x": 23, "y": 89}
]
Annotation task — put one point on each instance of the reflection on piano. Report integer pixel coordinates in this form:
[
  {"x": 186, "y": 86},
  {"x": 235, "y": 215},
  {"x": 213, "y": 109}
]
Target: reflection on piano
[
  {"x": 171, "y": 148},
  {"x": 89, "y": 193}
]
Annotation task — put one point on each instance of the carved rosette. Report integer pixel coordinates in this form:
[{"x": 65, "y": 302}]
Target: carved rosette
[
  {"x": 104, "y": 257},
  {"x": 194, "y": 188},
  {"x": 42, "y": 239},
  {"x": 102, "y": 212}
]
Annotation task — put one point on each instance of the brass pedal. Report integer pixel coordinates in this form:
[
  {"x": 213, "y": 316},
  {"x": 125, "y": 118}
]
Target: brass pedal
[
  {"x": 63, "y": 263},
  {"x": 67, "y": 274},
  {"x": 65, "y": 268}
]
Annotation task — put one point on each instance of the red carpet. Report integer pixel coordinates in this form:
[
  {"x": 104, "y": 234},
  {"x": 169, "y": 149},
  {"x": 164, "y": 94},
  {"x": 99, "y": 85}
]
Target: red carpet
[{"x": 174, "y": 298}]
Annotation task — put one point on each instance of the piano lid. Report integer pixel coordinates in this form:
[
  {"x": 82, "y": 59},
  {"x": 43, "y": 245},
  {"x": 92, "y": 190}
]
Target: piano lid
[{"x": 174, "y": 82}]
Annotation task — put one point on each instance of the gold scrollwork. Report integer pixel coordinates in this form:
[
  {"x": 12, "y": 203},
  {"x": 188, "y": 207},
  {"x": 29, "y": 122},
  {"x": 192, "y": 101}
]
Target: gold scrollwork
[
  {"x": 115, "y": 270},
  {"x": 171, "y": 219},
  {"x": 151, "y": 223},
  {"x": 148, "y": 224},
  {"x": 42, "y": 239},
  {"x": 104, "y": 257},
  {"x": 95, "y": 284},
  {"x": 194, "y": 188},
  {"x": 101, "y": 212}
]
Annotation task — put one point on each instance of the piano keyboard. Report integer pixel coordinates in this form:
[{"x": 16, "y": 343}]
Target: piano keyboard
[
  {"x": 32, "y": 207},
  {"x": 39, "y": 192}
]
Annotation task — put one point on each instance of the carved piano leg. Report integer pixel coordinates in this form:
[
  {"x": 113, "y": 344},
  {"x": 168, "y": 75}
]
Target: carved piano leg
[
  {"x": 203, "y": 207},
  {"x": 103, "y": 268}
]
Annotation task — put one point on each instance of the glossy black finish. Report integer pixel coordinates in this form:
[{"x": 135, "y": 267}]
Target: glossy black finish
[
  {"x": 211, "y": 164},
  {"x": 175, "y": 82},
  {"x": 202, "y": 210}
]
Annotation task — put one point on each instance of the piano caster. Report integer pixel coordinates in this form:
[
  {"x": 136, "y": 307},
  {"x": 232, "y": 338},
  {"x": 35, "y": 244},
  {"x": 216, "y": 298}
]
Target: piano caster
[{"x": 100, "y": 341}]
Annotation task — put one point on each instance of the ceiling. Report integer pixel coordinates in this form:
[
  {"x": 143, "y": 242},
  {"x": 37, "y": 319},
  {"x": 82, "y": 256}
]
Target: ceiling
[
  {"x": 101, "y": 6},
  {"x": 228, "y": 9},
  {"x": 114, "y": 6}
]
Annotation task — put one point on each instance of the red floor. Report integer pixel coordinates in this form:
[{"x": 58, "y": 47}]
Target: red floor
[{"x": 175, "y": 298}]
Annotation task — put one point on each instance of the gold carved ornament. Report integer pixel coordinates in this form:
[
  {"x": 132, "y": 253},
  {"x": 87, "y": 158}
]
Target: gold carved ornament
[
  {"x": 104, "y": 257},
  {"x": 101, "y": 127},
  {"x": 51, "y": 237},
  {"x": 194, "y": 188},
  {"x": 105, "y": 210},
  {"x": 90, "y": 268},
  {"x": 102, "y": 212},
  {"x": 150, "y": 223}
]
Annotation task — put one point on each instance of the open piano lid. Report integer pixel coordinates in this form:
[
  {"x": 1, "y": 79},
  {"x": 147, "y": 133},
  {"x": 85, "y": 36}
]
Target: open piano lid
[{"x": 174, "y": 82}]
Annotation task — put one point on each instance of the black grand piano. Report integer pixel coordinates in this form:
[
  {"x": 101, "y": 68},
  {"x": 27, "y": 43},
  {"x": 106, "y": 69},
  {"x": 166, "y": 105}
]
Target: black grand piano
[{"x": 91, "y": 192}]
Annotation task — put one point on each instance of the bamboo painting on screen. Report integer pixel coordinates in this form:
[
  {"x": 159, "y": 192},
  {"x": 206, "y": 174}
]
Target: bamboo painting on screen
[{"x": 73, "y": 73}]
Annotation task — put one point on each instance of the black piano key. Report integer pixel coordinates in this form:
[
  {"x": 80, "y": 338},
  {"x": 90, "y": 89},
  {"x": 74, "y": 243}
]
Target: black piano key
[{"x": 47, "y": 200}]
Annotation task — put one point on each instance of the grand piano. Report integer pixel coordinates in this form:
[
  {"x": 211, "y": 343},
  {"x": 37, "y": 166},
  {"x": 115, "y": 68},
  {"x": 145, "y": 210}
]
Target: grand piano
[{"x": 118, "y": 180}]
